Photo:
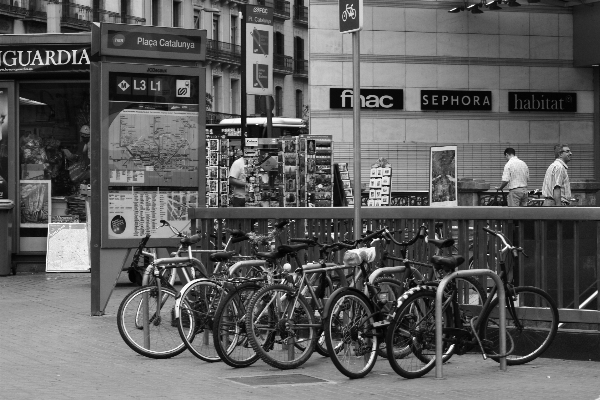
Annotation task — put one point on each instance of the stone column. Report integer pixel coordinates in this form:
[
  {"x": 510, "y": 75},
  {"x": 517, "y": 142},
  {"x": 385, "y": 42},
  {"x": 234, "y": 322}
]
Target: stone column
[{"x": 54, "y": 13}]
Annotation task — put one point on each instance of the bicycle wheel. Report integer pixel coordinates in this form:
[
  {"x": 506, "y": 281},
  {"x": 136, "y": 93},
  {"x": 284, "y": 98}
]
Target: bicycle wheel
[
  {"x": 349, "y": 333},
  {"x": 410, "y": 338},
  {"x": 531, "y": 321},
  {"x": 197, "y": 306},
  {"x": 162, "y": 339},
  {"x": 281, "y": 326},
  {"x": 229, "y": 330}
]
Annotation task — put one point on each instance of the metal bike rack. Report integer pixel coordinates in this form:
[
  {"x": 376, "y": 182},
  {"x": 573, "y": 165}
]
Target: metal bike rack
[{"x": 438, "y": 315}]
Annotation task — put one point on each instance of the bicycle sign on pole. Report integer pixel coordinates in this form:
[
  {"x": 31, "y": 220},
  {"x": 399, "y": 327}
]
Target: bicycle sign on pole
[{"x": 351, "y": 15}]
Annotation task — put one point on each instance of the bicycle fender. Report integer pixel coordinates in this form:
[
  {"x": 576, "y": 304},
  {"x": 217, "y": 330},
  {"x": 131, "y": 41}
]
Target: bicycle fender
[
  {"x": 328, "y": 304},
  {"x": 184, "y": 288}
]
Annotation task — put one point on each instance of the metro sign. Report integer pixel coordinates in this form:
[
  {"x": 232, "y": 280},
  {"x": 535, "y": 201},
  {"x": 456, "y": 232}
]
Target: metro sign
[{"x": 351, "y": 15}]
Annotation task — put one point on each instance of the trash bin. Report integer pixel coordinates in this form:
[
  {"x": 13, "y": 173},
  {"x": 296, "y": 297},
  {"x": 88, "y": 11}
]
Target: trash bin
[{"x": 6, "y": 207}]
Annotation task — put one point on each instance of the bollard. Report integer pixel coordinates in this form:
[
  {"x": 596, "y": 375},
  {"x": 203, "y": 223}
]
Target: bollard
[
  {"x": 6, "y": 207},
  {"x": 438, "y": 315}
]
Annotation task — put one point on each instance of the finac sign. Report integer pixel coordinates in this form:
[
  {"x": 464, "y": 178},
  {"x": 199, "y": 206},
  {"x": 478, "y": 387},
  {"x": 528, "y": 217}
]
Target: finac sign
[{"x": 369, "y": 98}]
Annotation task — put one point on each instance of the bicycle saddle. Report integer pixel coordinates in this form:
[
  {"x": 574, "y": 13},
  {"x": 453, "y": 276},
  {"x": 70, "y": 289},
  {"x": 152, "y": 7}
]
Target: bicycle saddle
[
  {"x": 190, "y": 240},
  {"x": 292, "y": 248},
  {"x": 221, "y": 256},
  {"x": 238, "y": 239},
  {"x": 441, "y": 243},
  {"x": 237, "y": 233},
  {"x": 447, "y": 263},
  {"x": 269, "y": 255}
]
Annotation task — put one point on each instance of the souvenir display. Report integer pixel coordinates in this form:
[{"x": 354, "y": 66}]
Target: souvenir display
[
  {"x": 380, "y": 184},
  {"x": 315, "y": 168},
  {"x": 217, "y": 168}
]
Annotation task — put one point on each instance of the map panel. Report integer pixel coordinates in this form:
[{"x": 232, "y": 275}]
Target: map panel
[{"x": 153, "y": 148}]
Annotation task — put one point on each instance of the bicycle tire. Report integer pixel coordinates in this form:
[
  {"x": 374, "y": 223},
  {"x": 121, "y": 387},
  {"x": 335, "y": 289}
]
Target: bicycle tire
[
  {"x": 164, "y": 340},
  {"x": 270, "y": 330},
  {"x": 534, "y": 337},
  {"x": 410, "y": 338},
  {"x": 198, "y": 303},
  {"x": 229, "y": 329},
  {"x": 351, "y": 338}
]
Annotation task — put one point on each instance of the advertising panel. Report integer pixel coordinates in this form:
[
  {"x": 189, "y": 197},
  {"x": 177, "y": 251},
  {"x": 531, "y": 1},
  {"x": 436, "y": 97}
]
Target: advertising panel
[
  {"x": 443, "y": 185},
  {"x": 153, "y": 148},
  {"x": 259, "y": 50}
]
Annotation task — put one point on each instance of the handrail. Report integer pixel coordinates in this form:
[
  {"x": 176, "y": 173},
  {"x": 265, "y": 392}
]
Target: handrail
[
  {"x": 439, "y": 295},
  {"x": 413, "y": 212}
]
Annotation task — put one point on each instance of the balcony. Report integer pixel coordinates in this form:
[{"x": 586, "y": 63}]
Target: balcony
[
  {"x": 22, "y": 9},
  {"x": 283, "y": 64},
  {"x": 281, "y": 8},
  {"x": 77, "y": 16},
  {"x": 301, "y": 68},
  {"x": 301, "y": 15},
  {"x": 213, "y": 117},
  {"x": 223, "y": 52}
]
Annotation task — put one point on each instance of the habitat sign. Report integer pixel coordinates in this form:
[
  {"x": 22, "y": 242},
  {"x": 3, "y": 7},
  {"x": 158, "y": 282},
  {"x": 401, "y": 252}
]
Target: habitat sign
[
  {"x": 542, "y": 101},
  {"x": 62, "y": 57}
]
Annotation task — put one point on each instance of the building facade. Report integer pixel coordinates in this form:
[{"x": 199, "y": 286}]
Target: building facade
[{"x": 523, "y": 50}]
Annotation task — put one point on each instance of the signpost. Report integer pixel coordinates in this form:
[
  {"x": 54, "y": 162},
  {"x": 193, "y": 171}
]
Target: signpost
[
  {"x": 147, "y": 141},
  {"x": 351, "y": 21}
]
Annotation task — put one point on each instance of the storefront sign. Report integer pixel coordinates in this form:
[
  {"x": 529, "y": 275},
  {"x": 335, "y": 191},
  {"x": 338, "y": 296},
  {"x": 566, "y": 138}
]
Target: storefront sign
[
  {"x": 392, "y": 99},
  {"x": 62, "y": 57},
  {"x": 259, "y": 50},
  {"x": 542, "y": 101},
  {"x": 146, "y": 41},
  {"x": 456, "y": 100}
]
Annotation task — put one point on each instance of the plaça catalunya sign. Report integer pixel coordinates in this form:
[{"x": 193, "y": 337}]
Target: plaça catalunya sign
[{"x": 370, "y": 99}]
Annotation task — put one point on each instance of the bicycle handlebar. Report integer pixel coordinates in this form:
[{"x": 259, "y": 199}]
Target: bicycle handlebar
[
  {"x": 420, "y": 234},
  {"x": 373, "y": 235},
  {"x": 491, "y": 232}
]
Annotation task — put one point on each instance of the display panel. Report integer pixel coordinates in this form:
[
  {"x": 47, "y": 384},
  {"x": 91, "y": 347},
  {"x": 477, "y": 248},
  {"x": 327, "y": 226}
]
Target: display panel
[{"x": 152, "y": 149}]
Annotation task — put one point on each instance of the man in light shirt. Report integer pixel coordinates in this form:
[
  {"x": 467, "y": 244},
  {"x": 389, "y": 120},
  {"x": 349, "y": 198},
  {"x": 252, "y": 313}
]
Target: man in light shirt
[
  {"x": 237, "y": 181},
  {"x": 556, "y": 188},
  {"x": 516, "y": 177}
]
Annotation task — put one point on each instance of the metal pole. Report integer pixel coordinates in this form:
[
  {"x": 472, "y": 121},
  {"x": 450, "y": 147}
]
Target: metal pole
[
  {"x": 243, "y": 100},
  {"x": 438, "y": 315},
  {"x": 356, "y": 124}
]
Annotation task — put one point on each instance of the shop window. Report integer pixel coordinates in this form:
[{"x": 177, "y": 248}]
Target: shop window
[{"x": 54, "y": 152}]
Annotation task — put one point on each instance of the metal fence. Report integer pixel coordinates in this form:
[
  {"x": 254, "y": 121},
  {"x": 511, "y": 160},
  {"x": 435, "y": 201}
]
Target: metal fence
[{"x": 563, "y": 244}]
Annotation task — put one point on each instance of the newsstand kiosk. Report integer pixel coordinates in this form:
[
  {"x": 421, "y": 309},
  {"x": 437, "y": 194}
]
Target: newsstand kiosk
[{"x": 147, "y": 142}]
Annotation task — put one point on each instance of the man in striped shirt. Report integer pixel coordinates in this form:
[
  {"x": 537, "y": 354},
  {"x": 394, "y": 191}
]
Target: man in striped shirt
[
  {"x": 556, "y": 188},
  {"x": 516, "y": 176}
]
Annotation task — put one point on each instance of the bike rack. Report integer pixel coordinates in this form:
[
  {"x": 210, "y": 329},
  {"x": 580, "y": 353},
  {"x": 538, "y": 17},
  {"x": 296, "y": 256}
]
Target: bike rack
[{"x": 438, "y": 315}]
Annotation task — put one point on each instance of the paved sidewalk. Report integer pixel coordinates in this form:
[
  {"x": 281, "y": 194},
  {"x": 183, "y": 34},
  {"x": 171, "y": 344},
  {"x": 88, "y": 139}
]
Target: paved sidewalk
[{"x": 51, "y": 348}]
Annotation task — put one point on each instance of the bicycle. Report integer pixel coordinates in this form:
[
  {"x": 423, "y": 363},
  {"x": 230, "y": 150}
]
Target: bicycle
[
  {"x": 413, "y": 324},
  {"x": 356, "y": 321},
  {"x": 139, "y": 318},
  {"x": 283, "y": 327},
  {"x": 198, "y": 301}
]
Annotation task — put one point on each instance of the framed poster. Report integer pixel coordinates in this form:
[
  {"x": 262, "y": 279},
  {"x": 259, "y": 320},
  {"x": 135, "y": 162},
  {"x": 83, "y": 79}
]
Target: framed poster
[
  {"x": 34, "y": 196},
  {"x": 443, "y": 187}
]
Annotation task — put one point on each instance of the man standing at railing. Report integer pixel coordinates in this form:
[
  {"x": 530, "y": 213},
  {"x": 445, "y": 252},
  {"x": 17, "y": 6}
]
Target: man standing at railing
[
  {"x": 556, "y": 188},
  {"x": 516, "y": 176},
  {"x": 237, "y": 181}
]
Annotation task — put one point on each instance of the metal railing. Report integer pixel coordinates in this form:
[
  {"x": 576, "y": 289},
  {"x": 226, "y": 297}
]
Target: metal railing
[
  {"x": 281, "y": 9},
  {"x": 223, "y": 52},
  {"x": 20, "y": 8},
  {"x": 301, "y": 68},
  {"x": 283, "y": 64},
  {"x": 563, "y": 244},
  {"x": 301, "y": 15}
]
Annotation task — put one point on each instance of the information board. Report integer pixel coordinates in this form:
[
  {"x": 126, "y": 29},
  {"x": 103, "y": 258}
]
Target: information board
[
  {"x": 67, "y": 249},
  {"x": 259, "y": 50},
  {"x": 152, "y": 144}
]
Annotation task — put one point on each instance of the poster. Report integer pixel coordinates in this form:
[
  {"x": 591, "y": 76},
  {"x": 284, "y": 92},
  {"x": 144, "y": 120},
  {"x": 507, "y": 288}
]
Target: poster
[
  {"x": 443, "y": 187},
  {"x": 35, "y": 203},
  {"x": 67, "y": 249},
  {"x": 3, "y": 143},
  {"x": 133, "y": 213}
]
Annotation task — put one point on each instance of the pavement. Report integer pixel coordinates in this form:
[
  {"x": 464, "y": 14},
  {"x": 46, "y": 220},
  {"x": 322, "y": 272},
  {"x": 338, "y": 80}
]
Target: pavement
[{"x": 51, "y": 348}]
